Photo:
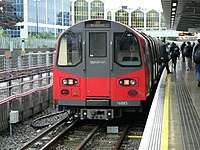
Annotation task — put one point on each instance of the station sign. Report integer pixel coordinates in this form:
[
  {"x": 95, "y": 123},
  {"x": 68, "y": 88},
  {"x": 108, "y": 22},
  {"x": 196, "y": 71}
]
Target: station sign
[
  {"x": 23, "y": 33},
  {"x": 186, "y": 34}
]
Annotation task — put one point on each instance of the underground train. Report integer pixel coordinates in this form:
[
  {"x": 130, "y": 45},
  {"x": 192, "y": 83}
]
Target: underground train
[{"x": 104, "y": 68}]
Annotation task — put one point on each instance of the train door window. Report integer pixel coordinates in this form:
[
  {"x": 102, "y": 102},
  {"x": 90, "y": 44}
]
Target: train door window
[
  {"x": 126, "y": 49},
  {"x": 70, "y": 51},
  {"x": 97, "y": 45}
]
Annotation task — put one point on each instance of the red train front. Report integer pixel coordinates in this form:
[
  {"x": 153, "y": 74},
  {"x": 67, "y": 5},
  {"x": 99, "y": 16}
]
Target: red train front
[{"x": 102, "y": 69}]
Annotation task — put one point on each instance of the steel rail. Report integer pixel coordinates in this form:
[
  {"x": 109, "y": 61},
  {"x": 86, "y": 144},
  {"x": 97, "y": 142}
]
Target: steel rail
[
  {"x": 29, "y": 144},
  {"x": 89, "y": 136},
  {"x": 123, "y": 135},
  {"x": 55, "y": 140}
]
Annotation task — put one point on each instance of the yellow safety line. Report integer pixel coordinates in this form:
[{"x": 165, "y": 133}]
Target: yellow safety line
[
  {"x": 165, "y": 124},
  {"x": 134, "y": 137},
  {"x": 88, "y": 126}
]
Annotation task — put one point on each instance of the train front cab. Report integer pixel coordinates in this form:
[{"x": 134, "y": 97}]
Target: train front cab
[{"x": 100, "y": 70}]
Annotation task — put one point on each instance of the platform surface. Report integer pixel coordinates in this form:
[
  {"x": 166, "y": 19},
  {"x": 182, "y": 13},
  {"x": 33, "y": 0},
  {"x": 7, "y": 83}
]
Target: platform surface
[{"x": 184, "y": 109}]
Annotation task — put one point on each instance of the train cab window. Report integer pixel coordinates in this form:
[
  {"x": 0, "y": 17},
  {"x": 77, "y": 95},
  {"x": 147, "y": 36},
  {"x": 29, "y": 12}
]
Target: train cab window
[
  {"x": 126, "y": 49},
  {"x": 70, "y": 52},
  {"x": 98, "y": 46}
]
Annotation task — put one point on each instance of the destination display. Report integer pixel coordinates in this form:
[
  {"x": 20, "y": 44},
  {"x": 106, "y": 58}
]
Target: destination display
[{"x": 98, "y": 24}]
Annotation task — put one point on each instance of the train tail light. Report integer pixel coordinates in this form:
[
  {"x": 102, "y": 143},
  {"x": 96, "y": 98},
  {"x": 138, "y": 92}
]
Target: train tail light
[
  {"x": 64, "y": 92},
  {"x": 132, "y": 93}
]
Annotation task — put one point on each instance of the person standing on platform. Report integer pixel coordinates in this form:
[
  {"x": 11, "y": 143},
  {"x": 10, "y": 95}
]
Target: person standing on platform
[
  {"x": 182, "y": 48},
  {"x": 193, "y": 44},
  {"x": 196, "y": 58},
  {"x": 188, "y": 55},
  {"x": 166, "y": 57},
  {"x": 174, "y": 51}
]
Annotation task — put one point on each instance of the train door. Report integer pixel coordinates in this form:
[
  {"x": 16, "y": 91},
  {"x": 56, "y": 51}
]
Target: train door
[{"x": 98, "y": 55}]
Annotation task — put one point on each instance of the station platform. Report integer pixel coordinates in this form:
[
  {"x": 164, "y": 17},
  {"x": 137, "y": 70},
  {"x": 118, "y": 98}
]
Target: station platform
[
  {"x": 174, "y": 119},
  {"x": 184, "y": 109}
]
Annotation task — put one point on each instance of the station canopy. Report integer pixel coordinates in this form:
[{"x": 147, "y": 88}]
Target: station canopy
[{"x": 182, "y": 15}]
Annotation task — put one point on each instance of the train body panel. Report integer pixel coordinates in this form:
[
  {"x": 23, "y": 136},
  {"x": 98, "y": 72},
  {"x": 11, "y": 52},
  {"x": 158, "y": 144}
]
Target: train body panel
[
  {"x": 101, "y": 88},
  {"x": 102, "y": 66}
]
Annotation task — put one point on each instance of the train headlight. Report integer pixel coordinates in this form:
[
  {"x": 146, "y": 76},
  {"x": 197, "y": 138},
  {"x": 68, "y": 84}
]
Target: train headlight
[
  {"x": 69, "y": 81},
  {"x": 132, "y": 82},
  {"x": 65, "y": 81},
  {"x": 127, "y": 82}
]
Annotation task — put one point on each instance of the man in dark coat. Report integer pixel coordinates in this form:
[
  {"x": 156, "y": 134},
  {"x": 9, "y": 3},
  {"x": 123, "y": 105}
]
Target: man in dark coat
[
  {"x": 175, "y": 52},
  {"x": 166, "y": 57}
]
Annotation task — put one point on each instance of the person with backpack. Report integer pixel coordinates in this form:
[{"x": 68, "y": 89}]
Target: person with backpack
[
  {"x": 182, "y": 50},
  {"x": 175, "y": 52},
  {"x": 188, "y": 55},
  {"x": 196, "y": 58},
  {"x": 165, "y": 59}
]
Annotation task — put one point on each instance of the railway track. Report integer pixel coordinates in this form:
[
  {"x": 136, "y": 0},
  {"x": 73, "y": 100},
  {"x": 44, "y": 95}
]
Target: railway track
[
  {"x": 127, "y": 137},
  {"x": 108, "y": 141},
  {"x": 89, "y": 135},
  {"x": 75, "y": 137},
  {"x": 40, "y": 141}
]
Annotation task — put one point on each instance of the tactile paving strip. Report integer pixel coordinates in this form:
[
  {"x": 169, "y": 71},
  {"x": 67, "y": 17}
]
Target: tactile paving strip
[{"x": 189, "y": 119}]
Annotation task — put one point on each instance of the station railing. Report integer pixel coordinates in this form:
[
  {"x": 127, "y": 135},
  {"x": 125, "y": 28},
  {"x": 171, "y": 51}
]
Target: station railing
[{"x": 24, "y": 72}]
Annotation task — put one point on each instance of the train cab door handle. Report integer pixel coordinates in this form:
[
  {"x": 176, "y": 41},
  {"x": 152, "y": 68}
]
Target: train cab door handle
[{"x": 111, "y": 58}]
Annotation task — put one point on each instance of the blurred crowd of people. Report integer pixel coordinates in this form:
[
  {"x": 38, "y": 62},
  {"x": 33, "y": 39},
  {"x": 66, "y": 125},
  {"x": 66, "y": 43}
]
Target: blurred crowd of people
[{"x": 189, "y": 52}]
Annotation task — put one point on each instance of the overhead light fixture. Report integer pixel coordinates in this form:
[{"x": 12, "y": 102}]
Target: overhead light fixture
[
  {"x": 173, "y": 13},
  {"x": 173, "y": 9},
  {"x": 174, "y": 4}
]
